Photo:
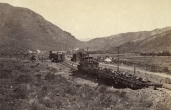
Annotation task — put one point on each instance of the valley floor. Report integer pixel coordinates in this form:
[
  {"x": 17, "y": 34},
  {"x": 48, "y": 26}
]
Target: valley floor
[{"x": 50, "y": 86}]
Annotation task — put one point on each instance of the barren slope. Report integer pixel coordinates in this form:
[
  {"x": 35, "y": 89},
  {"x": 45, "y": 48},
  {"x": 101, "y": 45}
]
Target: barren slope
[
  {"x": 23, "y": 29},
  {"x": 134, "y": 41},
  {"x": 156, "y": 43}
]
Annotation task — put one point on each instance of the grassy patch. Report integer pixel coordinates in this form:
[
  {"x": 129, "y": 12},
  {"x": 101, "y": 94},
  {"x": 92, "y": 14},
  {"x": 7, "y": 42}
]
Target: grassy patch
[{"x": 22, "y": 88}]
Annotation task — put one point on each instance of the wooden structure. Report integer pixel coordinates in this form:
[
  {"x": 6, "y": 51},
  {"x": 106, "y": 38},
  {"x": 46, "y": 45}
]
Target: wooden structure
[
  {"x": 56, "y": 57},
  {"x": 77, "y": 55}
]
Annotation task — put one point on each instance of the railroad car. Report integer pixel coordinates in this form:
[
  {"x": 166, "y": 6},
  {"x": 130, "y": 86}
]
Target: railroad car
[
  {"x": 78, "y": 54},
  {"x": 56, "y": 57},
  {"x": 89, "y": 66}
]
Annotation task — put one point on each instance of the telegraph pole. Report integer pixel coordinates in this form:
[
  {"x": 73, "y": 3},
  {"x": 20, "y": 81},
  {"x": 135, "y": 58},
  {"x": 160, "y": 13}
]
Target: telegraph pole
[
  {"x": 87, "y": 52},
  {"x": 134, "y": 69},
  {"x": 118, "y": 60},
  {"x": 72, "y": 50}
]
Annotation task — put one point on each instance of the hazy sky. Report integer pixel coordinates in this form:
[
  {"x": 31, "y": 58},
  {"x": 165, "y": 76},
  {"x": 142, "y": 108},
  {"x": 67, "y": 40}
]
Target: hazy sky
[{"x": 99, "y": 18}]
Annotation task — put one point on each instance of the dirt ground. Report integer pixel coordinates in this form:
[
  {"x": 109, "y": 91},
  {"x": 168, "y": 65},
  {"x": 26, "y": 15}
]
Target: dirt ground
[{"x": 48, "y": 86}]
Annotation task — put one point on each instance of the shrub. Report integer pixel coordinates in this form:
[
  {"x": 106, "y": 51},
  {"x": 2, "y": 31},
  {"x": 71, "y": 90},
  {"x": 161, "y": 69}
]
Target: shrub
[
  {"x": 53, "y": 70},
  {"x": 162, "y": 107},
  {"x": 102, "y": 89},
  {"x": 33, "y": 66},
  {"x": 34, "y": 106},
  {"x": 168, "y": 80},
  {"x": 49, "y": 77},
  {"x": 23, "y": 79},
  {"x": 5, "y": 73},
  {"x": 58, "y": 103},
  {"x": 38, "y": 75},
  {"x": 20, "y": 92}
]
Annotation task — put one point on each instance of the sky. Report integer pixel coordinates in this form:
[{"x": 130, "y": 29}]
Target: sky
[{"x": 99, "y": 18}]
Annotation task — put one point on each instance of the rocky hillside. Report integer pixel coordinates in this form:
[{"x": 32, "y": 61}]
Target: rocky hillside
[
  {"x": 139, "y": 41},
  {"x": 23, "y": 29},
  {"x": 159, "y": 40}
]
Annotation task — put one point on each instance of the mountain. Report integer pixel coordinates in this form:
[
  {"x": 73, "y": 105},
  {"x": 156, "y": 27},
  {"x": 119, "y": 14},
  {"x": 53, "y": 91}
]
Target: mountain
[
  {"x": 116, "y": 40},
  {"x": 22, "y": 29},
  {"x": 157, "y": 40},
  {"x": 85, "y": 39}
]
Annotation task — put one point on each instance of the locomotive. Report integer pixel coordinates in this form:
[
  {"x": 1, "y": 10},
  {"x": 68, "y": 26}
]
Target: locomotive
[
  {"x": 56, "y": 57},
  {"x": 88, "y": 65}
]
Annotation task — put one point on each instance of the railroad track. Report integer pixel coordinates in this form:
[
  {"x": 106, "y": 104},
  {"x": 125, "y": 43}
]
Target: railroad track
[
  {"x": 70, "y": 62},
  {"x": 67, "y": 64},
  {"x": 73, "y": 66}
]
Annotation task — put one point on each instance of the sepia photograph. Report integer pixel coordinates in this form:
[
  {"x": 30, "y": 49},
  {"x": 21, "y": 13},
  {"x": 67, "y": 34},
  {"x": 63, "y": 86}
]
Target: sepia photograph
[{"x": 85, "y": 54}]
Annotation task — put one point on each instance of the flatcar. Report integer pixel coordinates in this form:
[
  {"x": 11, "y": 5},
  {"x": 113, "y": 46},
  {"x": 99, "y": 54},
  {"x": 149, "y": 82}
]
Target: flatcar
[{"x": 91, "y": 67}]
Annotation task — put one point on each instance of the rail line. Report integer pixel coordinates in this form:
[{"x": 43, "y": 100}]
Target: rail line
[
  {"x": 73, "y": 66},
  {"x": 70, "y": 62},
  {"x": 67, "y": 64}
]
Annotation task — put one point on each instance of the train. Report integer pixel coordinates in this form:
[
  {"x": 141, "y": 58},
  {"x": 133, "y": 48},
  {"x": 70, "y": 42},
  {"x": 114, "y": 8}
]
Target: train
[
  {"x": 90, "y": 66},
  {"x": 76, "y": 56},
  {"x": 56, "y": 57}
]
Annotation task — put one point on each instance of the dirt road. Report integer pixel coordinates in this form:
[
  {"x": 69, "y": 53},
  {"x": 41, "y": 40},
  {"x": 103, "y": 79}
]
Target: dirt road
[{"x": 131, "y": 69}]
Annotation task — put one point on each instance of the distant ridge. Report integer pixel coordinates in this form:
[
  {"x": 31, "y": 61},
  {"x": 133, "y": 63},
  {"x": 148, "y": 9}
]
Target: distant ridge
[
  {"x": 143, "y": 41},
  {"x": 85, "y": 39}
]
